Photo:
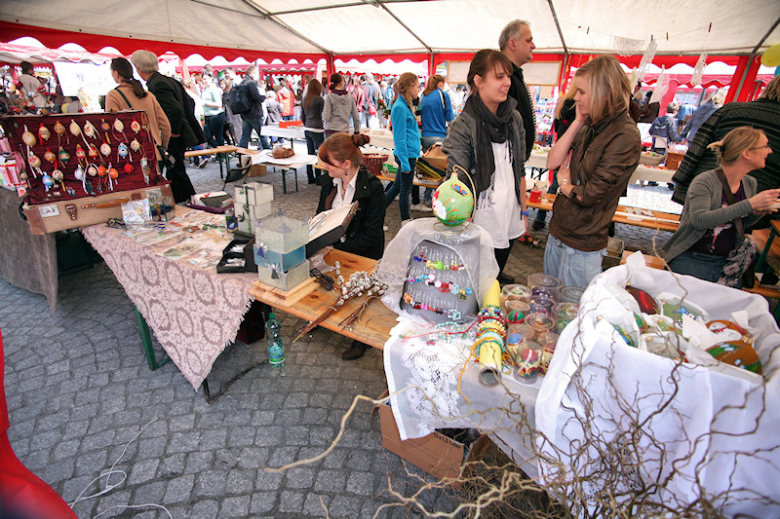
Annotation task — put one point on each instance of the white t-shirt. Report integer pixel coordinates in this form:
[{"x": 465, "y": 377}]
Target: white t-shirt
[
  {"x": 346, "y": 199},
  {"x": 498, "y": 211}
]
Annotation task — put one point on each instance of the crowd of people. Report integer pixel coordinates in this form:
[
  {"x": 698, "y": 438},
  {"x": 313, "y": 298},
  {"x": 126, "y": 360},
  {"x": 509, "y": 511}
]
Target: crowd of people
[{"x": 727, "y": 182}]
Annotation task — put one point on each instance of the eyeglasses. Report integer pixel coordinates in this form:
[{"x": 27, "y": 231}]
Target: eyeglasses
[{"x": 761, "y": 147}]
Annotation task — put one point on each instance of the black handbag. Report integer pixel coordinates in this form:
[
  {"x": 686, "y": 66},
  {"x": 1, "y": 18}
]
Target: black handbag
[{"x": 740, "y": 263}]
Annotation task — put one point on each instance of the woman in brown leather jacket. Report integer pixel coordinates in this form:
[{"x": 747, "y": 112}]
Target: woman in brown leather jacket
[{"x": 597, "y": 156}]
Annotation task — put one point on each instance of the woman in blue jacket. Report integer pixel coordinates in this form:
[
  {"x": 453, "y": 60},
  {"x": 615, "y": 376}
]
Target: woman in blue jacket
[{"x": 406, "y": 139}]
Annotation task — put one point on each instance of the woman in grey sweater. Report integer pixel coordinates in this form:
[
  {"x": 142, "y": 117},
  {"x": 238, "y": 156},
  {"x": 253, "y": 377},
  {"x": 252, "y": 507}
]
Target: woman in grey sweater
[
  {"x": 707, "y": 233},
  {"x": 339, "y": 106}
]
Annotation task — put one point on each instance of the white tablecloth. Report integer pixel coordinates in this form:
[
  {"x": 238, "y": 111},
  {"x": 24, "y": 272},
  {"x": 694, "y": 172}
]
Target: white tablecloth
[{"x": 423, "y": 382}]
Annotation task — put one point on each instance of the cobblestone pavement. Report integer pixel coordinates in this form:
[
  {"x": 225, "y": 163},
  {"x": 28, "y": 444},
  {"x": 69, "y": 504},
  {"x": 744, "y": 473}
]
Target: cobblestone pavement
[{"x": 82, "y": 400}]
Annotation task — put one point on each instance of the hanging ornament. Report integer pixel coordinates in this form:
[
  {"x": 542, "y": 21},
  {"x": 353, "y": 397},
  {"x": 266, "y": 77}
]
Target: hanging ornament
[
  {"x": 64, "y": 156},
  {"x": 24, "y": 176},
  {"x": 44, "y": 133},
  {"x": 80, "y": 154},
  {"x": 119, "y": 127},
  {"x": 135, "y": 126},
  {"x": 74, "y": 128},
  {"x": 135, "y": 145},
  {"x": 79, "y": 173},
  {"x": 28, "y": 137},
  {"x": 58, "y": 176},
  {"x": 49, "y": 156},
  {"x": 93, "y": 151},
  {"x": 122, "y": 151},
  {"x": 661, "y": 85},
  {"x": 105, "y": 149},
  {"x": 47, "y": 181},
  {"x": 698, "y": 70},
  {"x": 113, "y": 173},
  {"x": 102, "y": 171},
  {"x": 59, "y": 129},
  {"x": 33, "y": 160},
  {"x": 92, "y": 170},
  {"x": 105, "y": 126},
  {"x": 647, "y": 58},
  {"x": 90, "y": 130},
  {"x": 129, "y": 168}
]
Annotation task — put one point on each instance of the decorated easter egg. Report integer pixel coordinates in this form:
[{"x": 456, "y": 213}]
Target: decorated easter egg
[
  {"x": 453, "y": 202},
  {"x": 49, "y": 156},
  {"x": 44, "y": 133}
]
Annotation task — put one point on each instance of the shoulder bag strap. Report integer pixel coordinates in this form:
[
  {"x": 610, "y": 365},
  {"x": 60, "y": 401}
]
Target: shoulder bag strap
[
  {"x": 443, "y": 106},
  {"x": 125, "y": 98},
  {"x": 730, "y": 199}
]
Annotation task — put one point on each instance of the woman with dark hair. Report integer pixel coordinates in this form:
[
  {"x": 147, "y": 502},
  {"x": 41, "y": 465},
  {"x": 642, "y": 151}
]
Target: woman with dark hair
[
  {"x": 130, "y": 95},
  {"x": 311, "y": 115},
  {"x": 709, "y": 224},
  {"x": 596, "y": 157},
  {"x": 349, "y": 181},
  {"x": 488, "y": 141},
  {"x": 339, "y": 106},
  {"x": 406, "y": 139}
]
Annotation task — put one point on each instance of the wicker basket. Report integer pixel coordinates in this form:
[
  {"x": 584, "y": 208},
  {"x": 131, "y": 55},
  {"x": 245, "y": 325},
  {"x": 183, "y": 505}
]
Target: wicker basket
[
  {"x": 650, "y": 160},
  {"x": 673, "y": 159},
  {"x": 374, "y": 161}
]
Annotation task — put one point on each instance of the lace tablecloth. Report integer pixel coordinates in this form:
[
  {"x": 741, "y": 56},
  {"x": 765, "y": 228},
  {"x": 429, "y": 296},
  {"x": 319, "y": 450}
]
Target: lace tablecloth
[
  {"x": 422, "y": 379},
  {"x": 168, "y": 272}
]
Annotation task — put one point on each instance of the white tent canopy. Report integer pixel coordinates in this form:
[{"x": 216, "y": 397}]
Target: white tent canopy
[{"x": 343, "y": 27}]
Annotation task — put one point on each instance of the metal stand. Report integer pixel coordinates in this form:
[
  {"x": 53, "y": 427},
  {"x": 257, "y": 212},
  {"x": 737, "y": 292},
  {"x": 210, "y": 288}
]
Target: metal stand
[{"x": 146, "y": 339}]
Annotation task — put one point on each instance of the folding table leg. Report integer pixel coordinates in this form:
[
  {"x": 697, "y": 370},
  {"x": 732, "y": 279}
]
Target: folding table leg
[
  {"x": 765, "y": 252},
  {"x": 146, "y": 339}
]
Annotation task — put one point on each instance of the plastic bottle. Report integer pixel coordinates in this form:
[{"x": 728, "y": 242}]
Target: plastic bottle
[{"x": 274, "y": 341}]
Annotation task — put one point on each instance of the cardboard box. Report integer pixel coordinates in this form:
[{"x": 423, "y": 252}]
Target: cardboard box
[
  {"x": 258, "y": 170},
  {"x": 436, "y": 454},
  {"x": 70, "y": 214}
]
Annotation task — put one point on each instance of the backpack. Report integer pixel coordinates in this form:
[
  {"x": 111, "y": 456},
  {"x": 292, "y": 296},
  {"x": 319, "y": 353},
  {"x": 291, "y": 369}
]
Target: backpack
[{"x": 240, "y": 102}]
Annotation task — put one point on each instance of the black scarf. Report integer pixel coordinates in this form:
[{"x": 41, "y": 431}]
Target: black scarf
[{"x": 490, "y": 128}]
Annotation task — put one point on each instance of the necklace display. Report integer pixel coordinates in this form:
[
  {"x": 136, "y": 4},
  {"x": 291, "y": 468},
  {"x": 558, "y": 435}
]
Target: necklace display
[{"x": 428, "y": 303}]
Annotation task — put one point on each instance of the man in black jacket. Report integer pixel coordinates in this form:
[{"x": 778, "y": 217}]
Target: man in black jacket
[
  {"x": 180, "y": 109},
  {"x": 517, "y": 43},
  {"x": 253, "y": 119}
]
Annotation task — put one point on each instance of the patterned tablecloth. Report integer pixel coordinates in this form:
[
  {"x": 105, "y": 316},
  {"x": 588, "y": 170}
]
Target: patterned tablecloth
[{"x": 168, "y": 271}]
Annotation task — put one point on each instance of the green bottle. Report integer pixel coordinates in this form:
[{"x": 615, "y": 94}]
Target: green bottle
[{"x": 274, "y": 341}]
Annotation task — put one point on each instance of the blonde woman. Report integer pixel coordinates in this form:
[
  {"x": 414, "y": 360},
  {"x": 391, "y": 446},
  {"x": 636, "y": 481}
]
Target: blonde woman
[
  {"x": 406, "y": 139},
  {"x": 596, "y": 157},
  {"x": 709, "y": 226}
]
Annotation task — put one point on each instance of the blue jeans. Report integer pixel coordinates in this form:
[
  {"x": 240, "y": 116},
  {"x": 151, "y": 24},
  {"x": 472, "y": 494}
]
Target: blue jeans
[
  {"x": 576, "y": 268},
  {"x": 287, "y": 117},
  {"x": 699, "y": 265},
  {"x": 215, "y": 129},
  {"x": 402, "y": 185},
  {"x": 248, "y": 124},
  {"x": 313, "y": 142}
]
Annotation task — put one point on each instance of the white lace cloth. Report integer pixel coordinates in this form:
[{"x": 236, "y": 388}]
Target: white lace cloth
[
  {"x": 423, "y": 382},
  {"x": 169, "y": 276}
]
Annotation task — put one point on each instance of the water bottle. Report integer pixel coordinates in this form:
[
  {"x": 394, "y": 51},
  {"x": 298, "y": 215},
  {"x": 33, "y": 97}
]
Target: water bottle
[{"x": 274, "y": 341}]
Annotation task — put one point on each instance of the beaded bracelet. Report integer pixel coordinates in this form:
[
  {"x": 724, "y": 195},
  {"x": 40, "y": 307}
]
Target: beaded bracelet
[
  {"x": 443, "y": 286},
  {"x": 419, "y": 305}
]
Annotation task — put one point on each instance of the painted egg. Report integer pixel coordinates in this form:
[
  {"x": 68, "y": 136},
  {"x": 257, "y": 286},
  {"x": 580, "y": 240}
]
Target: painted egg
[
  {"x": 57, "y": 175},
  {"x": 44, "y": 133},
  {"x": 90, "y": 130},
  {"x": 34, "y": 160},
  {"x": 105, "y": 125},
  {"x": 101, "y": 171},
  {"x": 47, "y": 181},
  {"x": 129, "y": 168},
  {"x": 24, "y": 175},
  {"x": 63, "y": 155},
  {"x": 93, "y": 151},
  {"x": 49, "y": 156},
  {"x": 29, "y": 138},
  {"x": 74, "y": 128},
  {"x": 135, "y": 126},
  {"x": 92, "y": 170},
  {"x": 105, "y": 149},
  {"x": 113, "y": 173},
  {"x": 119, "y": 126},
  {"x": 80, "y": 152},
  {"x": 59, "y": 128},
  {"x": 79, "y": 173},
  {"x": 122, "y": 150},
  {"x": 453, "y": 202},
  {"x": 135, "y": 145}
]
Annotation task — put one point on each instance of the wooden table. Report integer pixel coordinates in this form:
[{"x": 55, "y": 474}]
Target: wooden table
[
  {"x": 377, "y": 320},
  {"x": 660, "y": 220},
  {"x": 219, "y": 150},
  {"x": 291, "y": 132}
]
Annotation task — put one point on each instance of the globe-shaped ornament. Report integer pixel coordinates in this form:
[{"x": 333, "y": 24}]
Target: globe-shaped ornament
[{"x": 453, "y": 202}]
